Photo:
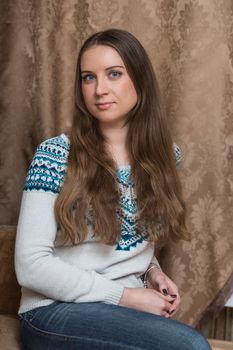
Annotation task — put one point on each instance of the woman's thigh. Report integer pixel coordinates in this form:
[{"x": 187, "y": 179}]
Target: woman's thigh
[{"x": 88, "y": 326}]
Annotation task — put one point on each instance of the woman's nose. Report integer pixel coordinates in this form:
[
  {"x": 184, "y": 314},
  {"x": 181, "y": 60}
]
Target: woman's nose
[{"x": 101, "y": 87}]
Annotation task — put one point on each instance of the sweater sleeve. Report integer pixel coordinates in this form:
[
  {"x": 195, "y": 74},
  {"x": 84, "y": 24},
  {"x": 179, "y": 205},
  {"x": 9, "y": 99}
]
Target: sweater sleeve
[{"x": 37, "y": 268}]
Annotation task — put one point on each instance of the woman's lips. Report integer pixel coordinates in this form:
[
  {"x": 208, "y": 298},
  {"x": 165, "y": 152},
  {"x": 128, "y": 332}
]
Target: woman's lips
[{"x": 104, "y": 106}]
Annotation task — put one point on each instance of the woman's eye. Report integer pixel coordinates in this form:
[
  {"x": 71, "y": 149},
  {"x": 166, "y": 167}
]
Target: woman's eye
[
  {"x": 115, "y": 74},
  {"x": 88, "y": 78}
]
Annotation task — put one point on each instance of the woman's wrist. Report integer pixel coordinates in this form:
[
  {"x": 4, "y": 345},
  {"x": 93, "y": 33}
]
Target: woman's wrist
[
  {"x": 150, "y": 268},
  {"x": 124, "y": 298}
]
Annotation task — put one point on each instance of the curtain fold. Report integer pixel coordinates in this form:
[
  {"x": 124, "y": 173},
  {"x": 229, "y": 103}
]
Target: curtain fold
[{"x": 190, "y": 43}]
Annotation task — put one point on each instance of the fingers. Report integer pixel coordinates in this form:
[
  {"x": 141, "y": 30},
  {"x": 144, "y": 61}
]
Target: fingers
[
  {"x": 165, "y": 311},
  {"x": 161, "y": 281},
  {"x": 174, "y": 301},
  {"x": 164, "y": 304},
  {"x": 168, "y": 311},
  {"x": 173, "y": 298},
  {"x": 163, "y": 288},
  {"x": 172, "y": 288},
  {"x": 149, "y": 300},
  {"x": 175, "y": 305},
  {"x": 174, "y": 294}
]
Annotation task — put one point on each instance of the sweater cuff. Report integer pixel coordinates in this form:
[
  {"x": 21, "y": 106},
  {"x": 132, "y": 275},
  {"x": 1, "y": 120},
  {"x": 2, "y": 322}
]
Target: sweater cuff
[
  {"x": 110, "y": 291},
  {"x": 114, "y": 294}
]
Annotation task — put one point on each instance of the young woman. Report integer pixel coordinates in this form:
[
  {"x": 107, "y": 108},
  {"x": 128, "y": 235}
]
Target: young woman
[{"x": 95, "y": 205}]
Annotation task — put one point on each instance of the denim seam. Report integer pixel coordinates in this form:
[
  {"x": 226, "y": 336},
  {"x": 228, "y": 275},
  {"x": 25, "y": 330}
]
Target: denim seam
[{"x": 73, "y": 338}]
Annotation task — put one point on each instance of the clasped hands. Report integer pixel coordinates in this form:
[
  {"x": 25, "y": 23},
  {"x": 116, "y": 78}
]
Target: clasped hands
[{"x": 161, "y": 296}]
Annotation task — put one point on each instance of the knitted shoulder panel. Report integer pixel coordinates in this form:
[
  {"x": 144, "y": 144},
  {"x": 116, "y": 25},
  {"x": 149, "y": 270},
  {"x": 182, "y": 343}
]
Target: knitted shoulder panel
[{"x": 48, "y": 167}]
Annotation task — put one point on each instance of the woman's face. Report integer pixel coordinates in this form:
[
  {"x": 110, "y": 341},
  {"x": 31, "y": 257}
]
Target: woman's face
[{"x": 107, "y": 89}]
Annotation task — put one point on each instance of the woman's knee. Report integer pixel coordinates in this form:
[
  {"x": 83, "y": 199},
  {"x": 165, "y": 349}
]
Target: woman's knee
[
  {"x": 184, "y": 337},
  {"x": 200, "y": 343},
  {"x": 195, "y": 340}
]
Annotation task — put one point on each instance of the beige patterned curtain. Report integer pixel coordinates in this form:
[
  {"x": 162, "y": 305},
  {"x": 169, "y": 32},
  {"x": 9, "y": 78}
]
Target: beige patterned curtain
[{"x": 190, "y": 43}]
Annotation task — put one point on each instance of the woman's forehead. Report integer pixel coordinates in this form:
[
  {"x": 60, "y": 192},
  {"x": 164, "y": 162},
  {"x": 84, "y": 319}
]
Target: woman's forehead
[{"x": 100, "y": 56}]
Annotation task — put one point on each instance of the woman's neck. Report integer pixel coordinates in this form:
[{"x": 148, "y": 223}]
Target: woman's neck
[{"x": 116, "y": 143}]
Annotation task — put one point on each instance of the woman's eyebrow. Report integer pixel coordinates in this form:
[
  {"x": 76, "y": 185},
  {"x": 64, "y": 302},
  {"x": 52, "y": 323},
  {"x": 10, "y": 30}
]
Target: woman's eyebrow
[
  {"x": 108, "y": 68},
  {"x": 116, "y": 66},
  {"x": 86, "y": 71}
]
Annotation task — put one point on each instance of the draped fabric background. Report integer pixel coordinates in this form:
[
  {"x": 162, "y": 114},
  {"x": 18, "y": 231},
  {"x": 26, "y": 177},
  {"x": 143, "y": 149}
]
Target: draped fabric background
[{"x": 190, "y": 43}]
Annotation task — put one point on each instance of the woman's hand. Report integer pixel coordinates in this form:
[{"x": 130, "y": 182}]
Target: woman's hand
[
  {"x": 159, "y": 281},
  {"x": 147, "y": 300}
]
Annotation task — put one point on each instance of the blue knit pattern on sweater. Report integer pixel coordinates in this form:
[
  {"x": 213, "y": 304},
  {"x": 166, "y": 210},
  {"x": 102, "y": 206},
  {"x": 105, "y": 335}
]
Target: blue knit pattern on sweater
[{"x": 48, "y": 167}]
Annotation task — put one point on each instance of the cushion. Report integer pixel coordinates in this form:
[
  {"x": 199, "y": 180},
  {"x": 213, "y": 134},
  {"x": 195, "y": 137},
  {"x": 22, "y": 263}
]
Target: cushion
[
  {"x": 9, "y": 333},
  {"x": 220, "y": 344},
  {"x": 9, "y": 288}
]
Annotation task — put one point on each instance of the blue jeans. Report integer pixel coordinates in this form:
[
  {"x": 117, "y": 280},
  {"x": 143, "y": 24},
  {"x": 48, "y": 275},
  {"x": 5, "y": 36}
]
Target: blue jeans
[{"x": 89, "y": 326}]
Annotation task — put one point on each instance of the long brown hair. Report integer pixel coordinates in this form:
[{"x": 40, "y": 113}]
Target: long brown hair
[{"x": 90, "y": 188}]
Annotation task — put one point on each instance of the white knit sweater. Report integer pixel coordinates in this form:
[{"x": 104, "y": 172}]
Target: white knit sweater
[{"x": 88, "y": 272}]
